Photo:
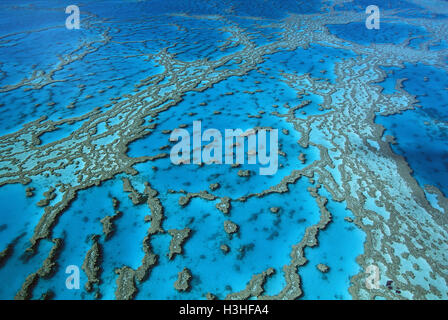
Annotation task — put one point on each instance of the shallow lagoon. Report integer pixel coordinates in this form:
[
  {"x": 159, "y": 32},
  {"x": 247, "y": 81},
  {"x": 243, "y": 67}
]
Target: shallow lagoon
[{"x": 109, "y": 73}]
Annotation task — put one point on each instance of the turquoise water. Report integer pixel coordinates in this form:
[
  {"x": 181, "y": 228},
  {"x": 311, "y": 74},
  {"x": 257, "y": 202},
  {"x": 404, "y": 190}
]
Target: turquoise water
[{"x": 88, "y": 98}]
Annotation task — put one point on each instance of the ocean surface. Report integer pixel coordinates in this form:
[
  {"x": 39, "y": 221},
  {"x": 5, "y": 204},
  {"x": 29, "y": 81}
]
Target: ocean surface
[{"x": 86, "y": 119}]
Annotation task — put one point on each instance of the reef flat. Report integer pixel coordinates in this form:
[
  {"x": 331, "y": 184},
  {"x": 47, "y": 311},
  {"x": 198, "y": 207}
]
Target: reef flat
[{"x": 86, "y": 178}]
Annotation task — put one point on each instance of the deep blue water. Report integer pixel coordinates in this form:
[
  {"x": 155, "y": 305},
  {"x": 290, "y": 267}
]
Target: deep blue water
[{"x": 422, "y": 133}]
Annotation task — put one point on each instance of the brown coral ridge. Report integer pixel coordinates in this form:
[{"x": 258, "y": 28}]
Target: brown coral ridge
[
  {"x": 45, "y": 271},
  {"x": 128, "y": 277},
  {"x": 254, "y": 288},
  {"x": 224, "y": 205},
  {"x": 135, "y": 196},
  {"x": 214, "y": 186},
  {"x": 29, "y": 192},
  {"x": 126, "y": 287},
  {"x": 210, "y": 296},
  {"x": 48, "y": 196},
  {"x": 49, "y": 266},
  {"x": 293, "y": 290},
  {"x": 230, "y": 227},
  {"x": 127, "y": 131},
  {"x": 149, "y": 260},
  {"x": 8, "y": 251},
  {"x": 360, "y": 124},
  {"x": 224, "y": 248},
  {"x": 183, "y": 280},
  {"x": 442, "y": 201},
  {"x": 98, "y": 169},
  {"x": 274, "y": 210},
  {"x": 156, "y": 208},
  {"x": 5, "y": 254},
  {"x": 92, "y": 264},
  {"x": 25, "y": 292},
  {"x": 48, "y": 220},
  {"x": 205, "y": 195},
  {"x": 323, "y": 268},
  {"x": 51, "y": 213},
  {"x": 108, "y": 222},
  {"x": 244, "y": 173},
  {"x": 179, "y": 236}
]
